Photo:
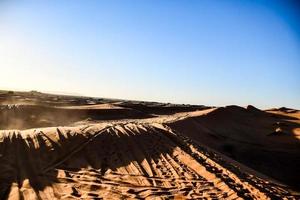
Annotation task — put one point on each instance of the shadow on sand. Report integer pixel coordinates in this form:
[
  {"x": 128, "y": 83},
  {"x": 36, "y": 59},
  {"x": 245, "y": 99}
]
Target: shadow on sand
[
  {"x": 36, "y": 157},
  {"x": 249, "y": 136}
]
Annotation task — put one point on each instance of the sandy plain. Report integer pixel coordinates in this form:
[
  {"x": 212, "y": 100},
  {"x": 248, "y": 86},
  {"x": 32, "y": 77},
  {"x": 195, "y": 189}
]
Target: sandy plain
[{"x": 64, "y": 147}]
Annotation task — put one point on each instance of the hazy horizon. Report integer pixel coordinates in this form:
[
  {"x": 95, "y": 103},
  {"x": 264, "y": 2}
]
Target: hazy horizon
[{"x": 194, "y": 52}]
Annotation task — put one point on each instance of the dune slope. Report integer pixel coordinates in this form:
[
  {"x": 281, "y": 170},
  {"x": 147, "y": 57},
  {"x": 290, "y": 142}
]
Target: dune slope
[
  {"x": 265, "y": 141},
  {"x": 120, "y": 160}
]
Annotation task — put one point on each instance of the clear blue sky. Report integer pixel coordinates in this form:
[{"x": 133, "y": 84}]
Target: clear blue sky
[{"x": 201, "y": 52}]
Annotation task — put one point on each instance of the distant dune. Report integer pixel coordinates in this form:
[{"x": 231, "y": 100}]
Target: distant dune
[
  {"x": 64, "y": 147},
  {"x": 268, "y": 142}
]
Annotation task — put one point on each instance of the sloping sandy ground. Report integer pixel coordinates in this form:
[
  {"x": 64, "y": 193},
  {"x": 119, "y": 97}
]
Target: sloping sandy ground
[
  {"x": 24, "y": 110},
  {"x": 120, "y": 160},
  {"x": 112, "y": 149},
  {"x": 267, "y": 142}
]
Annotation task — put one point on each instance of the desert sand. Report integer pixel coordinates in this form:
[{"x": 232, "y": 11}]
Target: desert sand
[{"x": 64, "y": 147}]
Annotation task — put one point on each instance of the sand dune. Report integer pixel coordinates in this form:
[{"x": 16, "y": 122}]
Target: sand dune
[
  {"x": 21, "y": 110},
  {"x": 131, "y": 160},
  {"x": 30, "y": 116},
  {"x": 250, "y": 136},
  {"x": 112, "y": 149}
]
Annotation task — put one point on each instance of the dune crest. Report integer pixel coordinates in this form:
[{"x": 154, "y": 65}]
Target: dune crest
[
  {"x": 118, "y": 160},
  {"x": 94, "y": 148}
]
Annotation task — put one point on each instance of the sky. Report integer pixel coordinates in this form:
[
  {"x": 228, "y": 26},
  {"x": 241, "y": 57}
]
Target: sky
[{"x": 209, "y": 52}]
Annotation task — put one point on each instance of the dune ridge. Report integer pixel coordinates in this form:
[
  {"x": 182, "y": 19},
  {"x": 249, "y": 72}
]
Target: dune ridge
[
  {"x": 250, "y": 136},
  {"x": 118, "y": 160},
  {"x": 95, "y": 148}
]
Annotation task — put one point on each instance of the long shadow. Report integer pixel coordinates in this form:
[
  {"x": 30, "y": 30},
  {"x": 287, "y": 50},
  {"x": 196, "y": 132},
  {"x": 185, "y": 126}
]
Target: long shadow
[
  {"x": 249, "y": 136},
  {"x": 36, "y": 158}
]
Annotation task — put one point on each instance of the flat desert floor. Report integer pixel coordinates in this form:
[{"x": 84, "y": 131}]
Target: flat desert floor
[{"x": 65, "y": 147}]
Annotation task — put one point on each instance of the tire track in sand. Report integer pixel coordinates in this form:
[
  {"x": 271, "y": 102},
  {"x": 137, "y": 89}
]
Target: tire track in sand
[{"x": 123, "y": 160}]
